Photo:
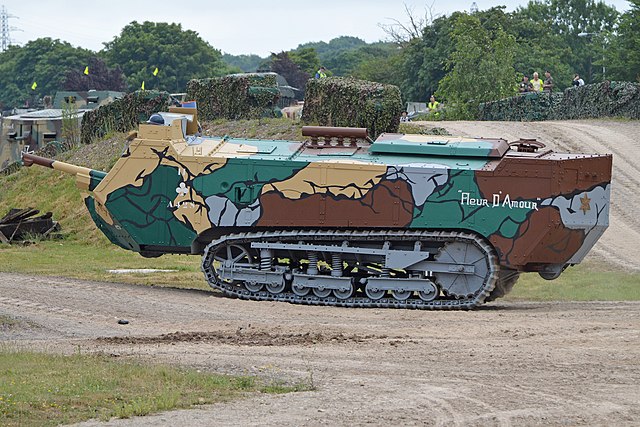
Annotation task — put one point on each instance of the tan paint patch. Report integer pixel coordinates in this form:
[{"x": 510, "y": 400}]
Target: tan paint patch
[
  {"x": 142, "y": 161},
  {"x": 103, "y": 213},
  {"x": 329, "y": 179},
  {"x": 191, "y": 209},
  {"x": 229, "y": 149}
]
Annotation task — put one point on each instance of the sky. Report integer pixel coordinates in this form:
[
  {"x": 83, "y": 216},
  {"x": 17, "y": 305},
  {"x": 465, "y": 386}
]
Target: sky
[{"x": 236, "y": 27}]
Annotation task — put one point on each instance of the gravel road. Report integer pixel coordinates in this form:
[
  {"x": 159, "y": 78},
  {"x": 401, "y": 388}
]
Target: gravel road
[{"x": 505, "y": 364}]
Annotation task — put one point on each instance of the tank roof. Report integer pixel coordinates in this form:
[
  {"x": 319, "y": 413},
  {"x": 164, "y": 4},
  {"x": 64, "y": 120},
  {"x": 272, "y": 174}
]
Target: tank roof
[{"x": 428, "y": 145}]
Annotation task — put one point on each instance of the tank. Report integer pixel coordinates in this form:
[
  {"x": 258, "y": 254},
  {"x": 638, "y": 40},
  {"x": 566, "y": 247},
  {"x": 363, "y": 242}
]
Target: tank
[{"x": 405, "y": 221}]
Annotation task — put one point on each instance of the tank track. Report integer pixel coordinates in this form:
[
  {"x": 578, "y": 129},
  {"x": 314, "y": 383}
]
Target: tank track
[{"x": 239, "y": 290}]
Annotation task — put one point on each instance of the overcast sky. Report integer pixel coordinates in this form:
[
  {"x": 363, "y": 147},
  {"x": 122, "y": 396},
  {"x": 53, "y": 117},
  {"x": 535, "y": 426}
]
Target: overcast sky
[{"x": 236, "y": 27}]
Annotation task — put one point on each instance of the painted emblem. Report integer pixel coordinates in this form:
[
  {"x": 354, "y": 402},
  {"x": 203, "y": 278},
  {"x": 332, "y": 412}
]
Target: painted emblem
[
  {"x": 585, "y": 204},
  {"x": 182, "y": 189}
]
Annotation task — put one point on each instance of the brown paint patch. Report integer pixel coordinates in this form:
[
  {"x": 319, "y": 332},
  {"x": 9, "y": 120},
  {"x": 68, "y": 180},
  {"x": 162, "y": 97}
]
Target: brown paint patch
[
  {"x": 389, "y": 204},
  {"x": 541, "y": 239},
  {"x": 530, "y": 178}
]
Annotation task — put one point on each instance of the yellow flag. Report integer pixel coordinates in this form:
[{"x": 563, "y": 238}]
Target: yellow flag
[
  {"x": 34, "y": 86},
  {"x": 142, "y": 87},
  {"x": 86, "y": 70},
  {"x": 155, "y": 72}
]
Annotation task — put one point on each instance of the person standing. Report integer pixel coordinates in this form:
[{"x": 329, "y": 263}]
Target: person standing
[
  {"x": 548, "y": 82},
  {"x": 525, "y": 85},
  {"x": 433, "y": 106},
  {"x": 321, "y": 73},
  {"x": 577, "y": 81},
  {"x": 536, "y": 83}
]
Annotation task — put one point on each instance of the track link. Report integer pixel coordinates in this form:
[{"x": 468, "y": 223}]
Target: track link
[{"x": 237, "y": 289}]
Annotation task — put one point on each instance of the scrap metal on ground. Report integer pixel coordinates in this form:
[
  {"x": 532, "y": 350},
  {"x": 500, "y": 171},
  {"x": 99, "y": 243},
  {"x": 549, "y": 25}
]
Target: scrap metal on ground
[{"x": 21, "y": 224}]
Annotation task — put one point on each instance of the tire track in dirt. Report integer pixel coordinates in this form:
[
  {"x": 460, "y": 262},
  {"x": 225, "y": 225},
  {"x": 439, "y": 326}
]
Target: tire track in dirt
[{"x": 619, "y": 244}]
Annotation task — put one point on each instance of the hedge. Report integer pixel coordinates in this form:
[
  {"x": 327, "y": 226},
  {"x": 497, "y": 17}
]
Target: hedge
[
  {"x": 607, "y": 99},
  {"x": 237, "y": 96},
  {"x": 340, "y": 101},
  {"x": 123, "y": 114}
]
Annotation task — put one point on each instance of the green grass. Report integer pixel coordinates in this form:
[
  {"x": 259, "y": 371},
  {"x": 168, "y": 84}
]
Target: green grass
[
  {"x": 585, "y": 282},
  {"x": 69, "y": 258},
  {"x": 38, "y": 389}
]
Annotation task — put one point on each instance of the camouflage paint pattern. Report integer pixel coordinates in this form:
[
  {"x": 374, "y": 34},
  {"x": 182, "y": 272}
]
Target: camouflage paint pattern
[{"x": 167, "y": 192}]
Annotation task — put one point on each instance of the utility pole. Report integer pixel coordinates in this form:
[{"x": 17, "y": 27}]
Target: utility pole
[{"x": 5, "y": 29}]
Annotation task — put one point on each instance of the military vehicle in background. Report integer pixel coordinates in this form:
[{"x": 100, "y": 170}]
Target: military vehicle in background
[
  {"x": 32, "y": 130},
  {"x": 287, "y": 92},
  {"x": 406, "y": 221}
]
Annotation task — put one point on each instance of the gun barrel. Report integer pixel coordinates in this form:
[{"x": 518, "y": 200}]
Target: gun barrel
[{"x": 86, "y": 179}]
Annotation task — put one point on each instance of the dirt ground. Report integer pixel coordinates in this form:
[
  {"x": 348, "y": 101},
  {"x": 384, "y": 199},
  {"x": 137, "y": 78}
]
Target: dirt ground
[{"x": 505, "y": 364}]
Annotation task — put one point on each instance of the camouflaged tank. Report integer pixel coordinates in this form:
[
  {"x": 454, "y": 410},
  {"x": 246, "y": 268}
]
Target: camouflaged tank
[{"x": 407, "y": 221}]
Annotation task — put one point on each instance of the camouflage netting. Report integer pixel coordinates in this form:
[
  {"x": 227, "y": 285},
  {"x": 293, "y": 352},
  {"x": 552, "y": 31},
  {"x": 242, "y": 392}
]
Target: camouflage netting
[
  {"x": 123, "y": 114},
  {"x": 338, "y": 101},
  {"x": 608, "y": 99},
  {"x": 235, "y": 97}
]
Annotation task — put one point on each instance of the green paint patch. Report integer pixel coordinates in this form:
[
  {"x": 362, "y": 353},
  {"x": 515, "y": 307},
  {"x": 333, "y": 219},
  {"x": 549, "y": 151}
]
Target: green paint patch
[
  {"x": 242, "y": 184},
  {"x": 146, "y": 211},
  {"x": 38, "y": 389}
]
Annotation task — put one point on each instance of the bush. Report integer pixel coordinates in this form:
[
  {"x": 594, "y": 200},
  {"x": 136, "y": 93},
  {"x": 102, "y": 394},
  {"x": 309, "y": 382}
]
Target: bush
[
  {"x": 607, "y": 99},
  {"x": 338, "y": 101},
  {"x": 235, "y": 97},
  {"x": 123, "y": 114}
]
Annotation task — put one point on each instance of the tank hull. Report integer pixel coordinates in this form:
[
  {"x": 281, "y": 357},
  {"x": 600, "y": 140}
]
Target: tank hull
[
  {"x": 405, "y": 222},
  {"x": 547, "y": 209}
]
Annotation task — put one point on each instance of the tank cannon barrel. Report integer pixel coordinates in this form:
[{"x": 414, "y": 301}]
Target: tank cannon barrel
[{"x": 86, "y": 179}]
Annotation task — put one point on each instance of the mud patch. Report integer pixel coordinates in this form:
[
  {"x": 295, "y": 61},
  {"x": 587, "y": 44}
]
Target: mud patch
[{"x": 242, "y": 338}]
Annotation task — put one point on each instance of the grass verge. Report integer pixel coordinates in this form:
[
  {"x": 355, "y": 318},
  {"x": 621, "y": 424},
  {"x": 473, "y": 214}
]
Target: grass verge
[
  {"x": 82, "y": 261},
  {"x": 46, "y": 390},
  {"x": 585, "y": 282}
]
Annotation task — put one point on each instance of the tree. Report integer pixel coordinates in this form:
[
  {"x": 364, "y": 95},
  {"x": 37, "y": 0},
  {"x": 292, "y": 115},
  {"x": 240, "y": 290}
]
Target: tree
[
  {"x": 380, "y": 62},
  {"x": 179, "y": 55},
  {"x": 623, "y": 55},
  {"x": 245, "y": 63},
  {"x": 44, "y": 61},
  {"x": 99, "y": 77},
  {"x": 566, "y": 19},
  {"x": 480, "y": 67},
  {"x": 282, "y": 64},
  {"x": 306, "y": 59},
  {"x": 425, "y": 58}
]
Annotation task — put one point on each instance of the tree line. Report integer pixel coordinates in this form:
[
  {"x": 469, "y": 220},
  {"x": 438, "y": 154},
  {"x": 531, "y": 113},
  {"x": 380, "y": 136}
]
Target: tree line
[{"x": 464, "y": 58}]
